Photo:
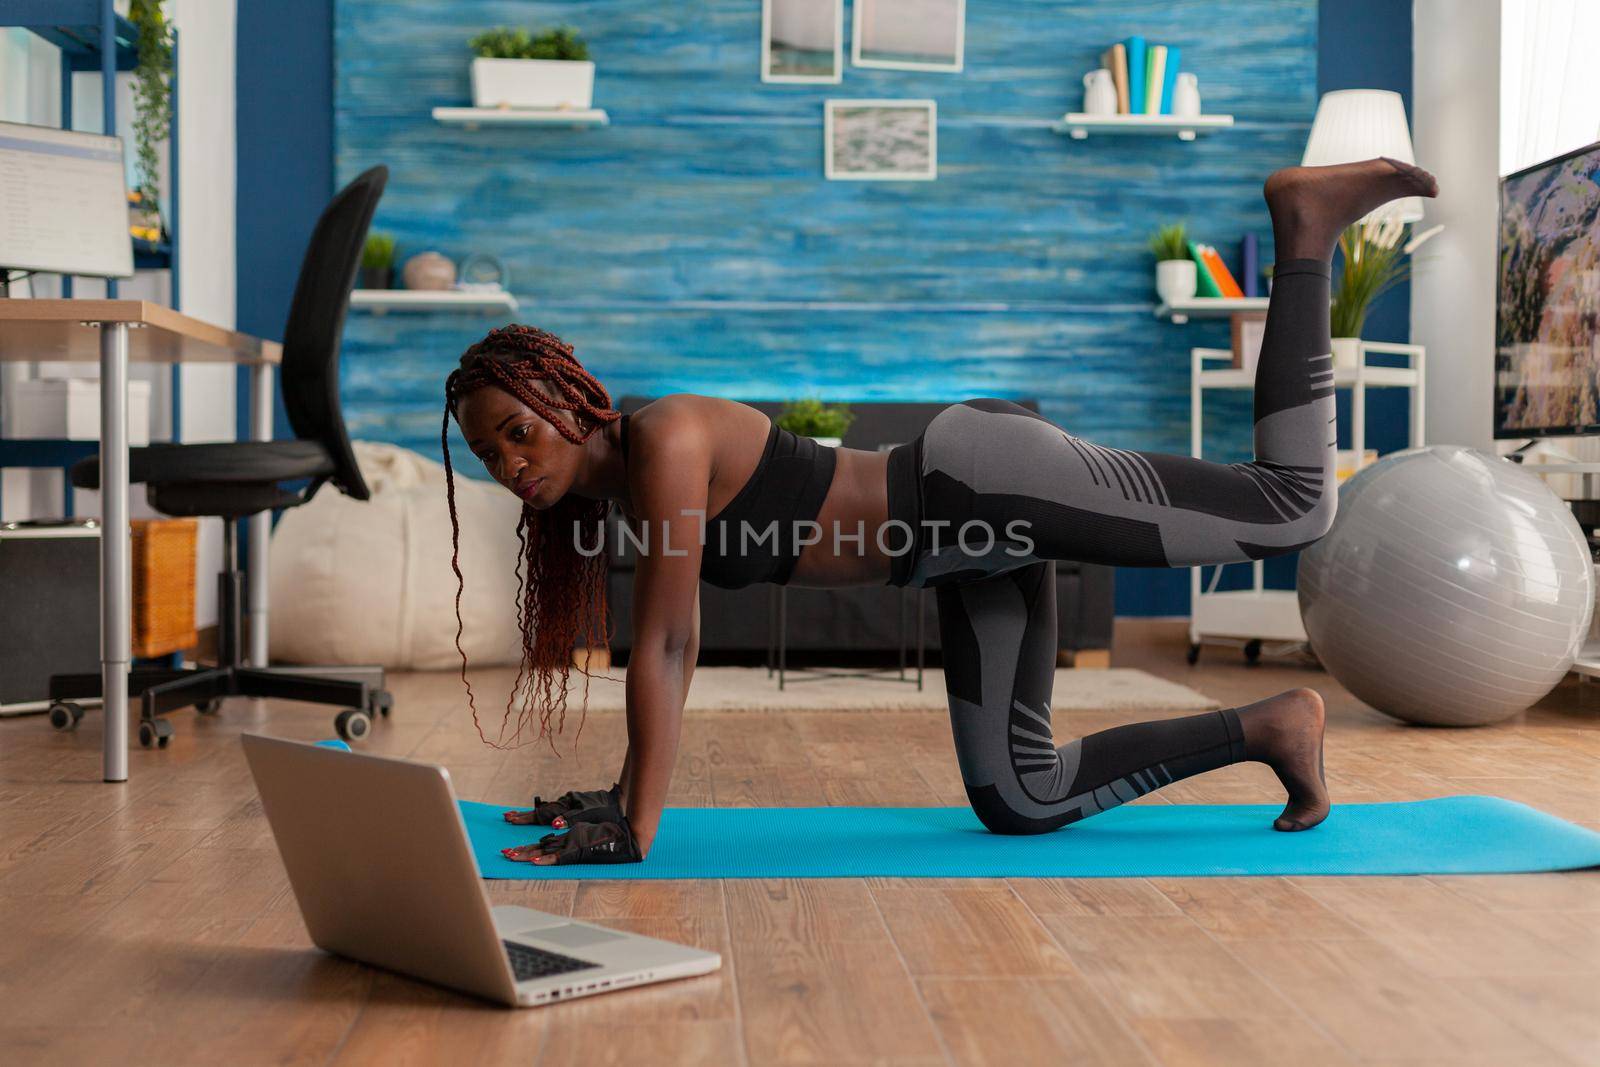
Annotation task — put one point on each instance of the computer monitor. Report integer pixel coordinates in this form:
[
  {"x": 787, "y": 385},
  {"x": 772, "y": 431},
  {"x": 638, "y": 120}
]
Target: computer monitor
[
  {"x": 1547, "y": 329},
  {"x": 63, "y": 202}
]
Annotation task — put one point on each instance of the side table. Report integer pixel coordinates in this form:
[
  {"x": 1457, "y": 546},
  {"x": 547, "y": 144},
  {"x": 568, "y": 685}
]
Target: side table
[{"x": 778, "y": 641}]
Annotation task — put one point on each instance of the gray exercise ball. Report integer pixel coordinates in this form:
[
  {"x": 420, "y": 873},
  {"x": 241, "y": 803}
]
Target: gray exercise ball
[{"x": 1454, "y": 589}]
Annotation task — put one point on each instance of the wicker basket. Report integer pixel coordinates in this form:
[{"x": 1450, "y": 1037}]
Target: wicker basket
[{"x": 163, "y": 586}]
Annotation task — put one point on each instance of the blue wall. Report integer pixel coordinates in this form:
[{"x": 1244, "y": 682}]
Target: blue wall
[{"x": 694, "y": 244}]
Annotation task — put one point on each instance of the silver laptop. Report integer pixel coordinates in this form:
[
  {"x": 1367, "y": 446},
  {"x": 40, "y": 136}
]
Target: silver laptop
[{"x": 381, "y": 867}]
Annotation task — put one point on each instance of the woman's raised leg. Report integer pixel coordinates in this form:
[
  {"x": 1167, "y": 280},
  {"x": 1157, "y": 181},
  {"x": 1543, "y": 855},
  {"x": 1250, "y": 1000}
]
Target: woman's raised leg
[{"x": 995, "y": 462}]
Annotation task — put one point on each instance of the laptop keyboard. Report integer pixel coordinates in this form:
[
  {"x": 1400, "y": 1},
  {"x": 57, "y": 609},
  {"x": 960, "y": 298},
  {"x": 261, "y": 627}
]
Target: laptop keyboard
[{"x": 528, "y": 962}]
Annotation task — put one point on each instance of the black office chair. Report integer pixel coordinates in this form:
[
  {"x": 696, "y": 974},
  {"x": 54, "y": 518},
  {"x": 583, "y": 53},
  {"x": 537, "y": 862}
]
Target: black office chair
[{"x": 236, "y": 479}]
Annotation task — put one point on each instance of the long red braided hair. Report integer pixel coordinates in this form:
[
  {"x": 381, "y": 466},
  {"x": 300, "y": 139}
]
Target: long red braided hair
[{"x": 561, "y": 592}]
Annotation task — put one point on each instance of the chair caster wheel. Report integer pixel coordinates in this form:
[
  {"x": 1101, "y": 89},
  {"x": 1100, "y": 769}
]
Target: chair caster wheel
[
  {"x": 210, "y": 707},
  {"x": 155, "y": 732},
  {"x": 1252, "y": 652},
  {"x": 380, "y": 702},
  {"x": 353, "y": 724},
  {"x": 65, "y": 715},
  {"x": 1194, "y": 655}
]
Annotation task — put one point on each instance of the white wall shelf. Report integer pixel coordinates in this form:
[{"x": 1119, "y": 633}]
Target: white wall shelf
[
  {"x": 1078, "y": 125},
  {"x": 1209, "y": 307},
  {"x": 474, "y": 117},
  {"x": 1258, "y": 614},
  {"x": 381, "y": 301}
]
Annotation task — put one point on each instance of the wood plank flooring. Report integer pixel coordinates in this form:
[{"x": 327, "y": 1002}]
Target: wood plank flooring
[{"x": 152, "y": 922}]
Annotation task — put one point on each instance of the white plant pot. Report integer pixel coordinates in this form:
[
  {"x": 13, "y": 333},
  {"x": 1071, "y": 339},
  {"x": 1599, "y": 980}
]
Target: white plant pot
[
  {"x": 1175, "y": 280},
  {"x": 540, "y": 84},
  {"x": 829, "y": 442},
  {"x": 1346, "y": 353}
]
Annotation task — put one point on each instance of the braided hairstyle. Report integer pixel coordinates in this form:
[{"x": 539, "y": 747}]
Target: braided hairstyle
[{"x": 561, "y": 593}]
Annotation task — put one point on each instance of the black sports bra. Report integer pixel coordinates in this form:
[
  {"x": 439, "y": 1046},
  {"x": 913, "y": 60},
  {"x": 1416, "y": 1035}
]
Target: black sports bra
[{"x": 753, "y": 538}]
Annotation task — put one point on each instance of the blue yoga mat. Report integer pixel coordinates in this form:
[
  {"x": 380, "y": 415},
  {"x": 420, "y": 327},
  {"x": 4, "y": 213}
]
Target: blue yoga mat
[{"x": 1452, "y": 835}]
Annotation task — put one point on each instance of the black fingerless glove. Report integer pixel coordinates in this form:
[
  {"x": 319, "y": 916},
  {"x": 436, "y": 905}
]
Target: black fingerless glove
[
  {"x": 611, "y": 841},
  {"x": 580, "y": 806}
]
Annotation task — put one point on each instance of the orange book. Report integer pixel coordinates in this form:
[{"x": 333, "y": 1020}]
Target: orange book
[{"x": 1220, "y": 272}]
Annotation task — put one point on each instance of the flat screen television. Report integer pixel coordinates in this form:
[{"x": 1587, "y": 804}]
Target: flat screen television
[{"x": 1547, "y": 321}]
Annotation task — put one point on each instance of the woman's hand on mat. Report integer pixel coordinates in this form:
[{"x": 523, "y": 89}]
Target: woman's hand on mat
[
  {"x": 570, "y": 808},
  {"x": 586, "y": 842}
]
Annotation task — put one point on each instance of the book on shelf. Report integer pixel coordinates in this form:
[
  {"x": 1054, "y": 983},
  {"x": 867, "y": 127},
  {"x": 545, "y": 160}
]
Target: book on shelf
[
  {"x": 1138, "y": 73},
  {"x": 1220, "y": 273},
  {"x": 1115, "y": 59},
  {"x": 1170, "y": 79},
  {"x": 1205, "y": 286},
  {"x": 1155, "y": 78},
  {"x": 1250, "y": 264}
]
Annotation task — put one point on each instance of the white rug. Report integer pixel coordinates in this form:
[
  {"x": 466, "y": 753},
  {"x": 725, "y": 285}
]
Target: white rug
[{"x": 750, "y": 689}]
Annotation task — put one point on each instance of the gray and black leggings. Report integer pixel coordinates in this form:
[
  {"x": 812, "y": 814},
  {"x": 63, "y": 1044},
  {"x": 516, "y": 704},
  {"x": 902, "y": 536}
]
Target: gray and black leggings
[{"x": 992, "y": 462}]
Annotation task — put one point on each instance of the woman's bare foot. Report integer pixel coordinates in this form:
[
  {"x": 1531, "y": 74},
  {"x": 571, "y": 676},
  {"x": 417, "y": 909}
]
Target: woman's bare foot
[
  {"x": 1285, "y": 733},
  {"x": 1311, "y": 206}
]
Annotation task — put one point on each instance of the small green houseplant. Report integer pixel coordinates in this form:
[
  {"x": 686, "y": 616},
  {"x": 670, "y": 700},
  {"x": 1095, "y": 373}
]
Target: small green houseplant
[
  {"x": 1373, "y": 261},
  {"x": 811, "y": 418},
  {"x": 377, "y": 262},
  {"x": 152, "y": 96},
  {"x": 1175, "y": 271},
  {"x": 513, "y": 68}
]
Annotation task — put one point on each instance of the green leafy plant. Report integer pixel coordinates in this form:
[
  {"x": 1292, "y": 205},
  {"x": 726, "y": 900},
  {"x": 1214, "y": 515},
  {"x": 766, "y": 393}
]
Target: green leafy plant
[
  {"x": 1170, "y": 241},
  {"x": 515, "y": 42},
  {"x": 378, "y": 252},
  {"x": 810, "y": 418},
  {"x": 152, "y": 94},
  {"x": 1374, "y": 261}
]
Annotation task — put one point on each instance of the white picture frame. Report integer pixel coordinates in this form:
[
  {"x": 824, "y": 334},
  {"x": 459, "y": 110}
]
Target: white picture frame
[
  {"x": 867, "y": 141},
  {"x": 800, "y": 18},
  {"x": 887, "y": 34}
]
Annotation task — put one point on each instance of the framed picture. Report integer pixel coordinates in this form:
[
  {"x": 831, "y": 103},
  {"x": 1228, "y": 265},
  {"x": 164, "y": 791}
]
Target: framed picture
[
  {"x": 802, "y": 40},
  {"x": 909, "y": 34},
  {"x": 880, "y": 140}
]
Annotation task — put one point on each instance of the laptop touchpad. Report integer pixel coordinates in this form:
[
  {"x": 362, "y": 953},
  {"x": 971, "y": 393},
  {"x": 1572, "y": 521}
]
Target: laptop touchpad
[{"x": 571, "y": 935}]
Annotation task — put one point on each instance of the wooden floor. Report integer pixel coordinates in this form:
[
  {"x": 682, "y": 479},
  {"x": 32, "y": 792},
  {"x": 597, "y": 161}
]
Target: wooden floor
[{"x": 152, "y": 923}]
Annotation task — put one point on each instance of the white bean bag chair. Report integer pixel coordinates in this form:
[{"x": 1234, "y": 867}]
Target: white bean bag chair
[{"x": 369, "y": 582}]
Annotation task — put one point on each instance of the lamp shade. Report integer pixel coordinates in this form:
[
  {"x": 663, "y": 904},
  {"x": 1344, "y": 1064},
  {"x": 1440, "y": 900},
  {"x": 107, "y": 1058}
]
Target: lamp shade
[{"x": 1357, "y": 124}]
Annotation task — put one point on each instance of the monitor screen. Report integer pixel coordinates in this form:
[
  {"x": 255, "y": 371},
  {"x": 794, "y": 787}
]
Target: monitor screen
[
  {"x": 63, "y": 202},
  {"x": 1547, "y": 323}
]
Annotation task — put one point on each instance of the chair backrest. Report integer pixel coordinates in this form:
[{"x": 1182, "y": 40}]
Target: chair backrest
[{"x": 310, "y": 374}]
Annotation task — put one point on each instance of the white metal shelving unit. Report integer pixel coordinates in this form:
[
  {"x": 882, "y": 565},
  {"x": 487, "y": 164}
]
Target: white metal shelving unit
[{"x": 1258, "y": 614}]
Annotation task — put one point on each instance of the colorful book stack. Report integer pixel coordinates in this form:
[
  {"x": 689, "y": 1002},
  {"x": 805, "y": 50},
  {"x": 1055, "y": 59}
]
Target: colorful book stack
[
  {"x": 1212, "y": 277},
  {"x": 1143, "y": 74}
]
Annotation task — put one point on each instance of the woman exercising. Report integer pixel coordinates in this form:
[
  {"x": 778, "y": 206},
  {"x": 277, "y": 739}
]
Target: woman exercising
[{"x": 979, "y": 507}]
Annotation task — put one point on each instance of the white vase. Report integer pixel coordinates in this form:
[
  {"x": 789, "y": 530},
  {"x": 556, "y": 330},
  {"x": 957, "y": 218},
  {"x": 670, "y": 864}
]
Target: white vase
[
  {"x": 1175, "y": 280},
  {"x": 829, "y": 442},
  {"x": 1099, "y": 93},
  {"x": 1186, "y": 95},
  {"x": 1346, "y": 353},
  {"x": 539, "y": 84}
]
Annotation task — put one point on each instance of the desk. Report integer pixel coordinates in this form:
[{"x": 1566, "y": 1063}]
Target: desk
[{"x": 116, "y": 332}]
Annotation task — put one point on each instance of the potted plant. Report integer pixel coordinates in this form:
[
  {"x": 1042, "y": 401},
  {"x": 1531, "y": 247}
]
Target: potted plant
[
  {"x": 514, "y": 69},
  {"x": 1175, "y": 271},
  {"x": 809, "y": 418},
  {"x": 1374, "y": 261},
  {"x": 152, "y": 95},
  {"x": 377, "y": 262}
]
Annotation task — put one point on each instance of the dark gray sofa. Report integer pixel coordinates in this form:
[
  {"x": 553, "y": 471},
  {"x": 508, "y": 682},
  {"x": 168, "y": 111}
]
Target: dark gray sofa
[{"x": 855, "y": 618}]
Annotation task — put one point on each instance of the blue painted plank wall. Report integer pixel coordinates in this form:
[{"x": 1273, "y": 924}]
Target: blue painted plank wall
[{"x": 694, "y": 244}]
